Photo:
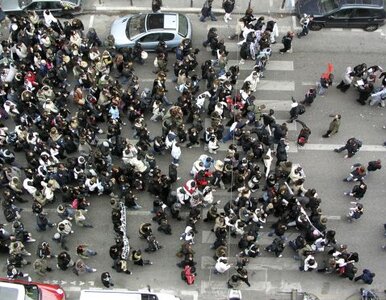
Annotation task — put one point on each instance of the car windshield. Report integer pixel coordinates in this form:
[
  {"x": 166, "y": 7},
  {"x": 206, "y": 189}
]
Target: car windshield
[
  {"x": 31, "y": 292},
  {"x": 183, "y": 25},
  {"x": 328, "y": 5},
  {"x": 135, "y": 26},
  {"x": 23, "y": 3}
]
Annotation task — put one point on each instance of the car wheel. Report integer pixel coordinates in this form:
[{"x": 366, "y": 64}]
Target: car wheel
[
  {"x": 316, "y": 26},
  {"x": 371, "y": 27}
]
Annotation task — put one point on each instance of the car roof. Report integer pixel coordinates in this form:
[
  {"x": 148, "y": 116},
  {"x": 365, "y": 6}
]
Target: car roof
[
  {"x": 12, "y": 291},
  {"x": 162, "y": 21},
  {"x": 374, "y": 3}
]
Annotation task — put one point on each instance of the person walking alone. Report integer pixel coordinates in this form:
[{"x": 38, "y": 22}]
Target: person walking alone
[
  {"x": 206, "y": 11},
  {"x": 228, "y": 6},
  {"x": 334, "y": 126},
  {"x": 287, "y": 42}
]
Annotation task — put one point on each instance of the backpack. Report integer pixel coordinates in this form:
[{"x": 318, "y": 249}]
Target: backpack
[
  {"x": 244, "y": 50},
  {"x": 301, "y": 109}
]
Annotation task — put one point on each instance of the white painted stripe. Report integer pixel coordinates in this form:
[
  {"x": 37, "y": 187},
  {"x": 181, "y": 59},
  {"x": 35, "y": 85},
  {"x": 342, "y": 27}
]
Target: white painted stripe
[
  {"x": 280, "y": 65},
  {"x": 271, "y": 85},
  {"x": 272, "y": 65},
  {"x": 309, "y": 83},
  {"x": 282, "y": 28},
  {"x": 357, "y": 30},
  {"x": 91, "y": 22},
  {"x": 260, "y": 263},
  {"x": 336, "y": 29},
  {"x": 127, "y": 8},
  {"x": 276, "y": 85},
  {"x": 270, "y": 3},
  {"x": 294, "y": 23},
  {"x": 194, "y": 294},
  {"x": 73, "y": 289},
  {"x": 329, "y": 147},
  {"x": 278, "y": 105},
  {"x": 293, "y": 147},
  {"x": 138, "y": 212}
]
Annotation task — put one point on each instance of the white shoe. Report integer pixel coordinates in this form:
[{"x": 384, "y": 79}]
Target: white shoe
[{"x": 94, "y": 270}]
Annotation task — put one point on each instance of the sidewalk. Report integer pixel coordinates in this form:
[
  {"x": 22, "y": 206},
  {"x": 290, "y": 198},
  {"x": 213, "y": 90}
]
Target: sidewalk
[{"x": 189, "y": 6}]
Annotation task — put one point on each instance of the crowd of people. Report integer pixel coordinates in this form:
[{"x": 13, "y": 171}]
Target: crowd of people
[{"x": 58, "y": 127}]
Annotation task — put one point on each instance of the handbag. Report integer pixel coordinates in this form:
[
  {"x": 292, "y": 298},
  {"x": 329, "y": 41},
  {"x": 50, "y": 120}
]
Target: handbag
[{"x": 155, "y": 63}]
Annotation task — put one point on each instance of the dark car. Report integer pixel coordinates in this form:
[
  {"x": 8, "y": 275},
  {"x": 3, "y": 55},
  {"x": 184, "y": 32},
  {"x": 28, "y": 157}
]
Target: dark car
[
  {"x": 366, "y": 14},
  {"x": 59, "y": 8}
]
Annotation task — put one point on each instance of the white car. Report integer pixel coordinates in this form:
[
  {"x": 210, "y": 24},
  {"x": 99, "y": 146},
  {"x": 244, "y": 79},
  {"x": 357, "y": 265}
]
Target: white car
[
  {"x": 150, "y": 29},
  {"x": 124, "y": 295}
]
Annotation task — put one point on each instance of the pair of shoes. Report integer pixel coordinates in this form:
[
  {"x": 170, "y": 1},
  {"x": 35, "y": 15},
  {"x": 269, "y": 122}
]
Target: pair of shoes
[{"x": 336, "y": 150}]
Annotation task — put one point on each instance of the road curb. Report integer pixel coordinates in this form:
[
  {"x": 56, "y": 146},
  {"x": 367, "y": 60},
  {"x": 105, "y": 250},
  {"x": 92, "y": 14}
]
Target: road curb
[{"x": 187, "y": 10}]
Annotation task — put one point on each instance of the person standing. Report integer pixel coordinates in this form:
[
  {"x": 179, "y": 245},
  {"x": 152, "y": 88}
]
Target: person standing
[
  {"x": 176, "y": 153},
  {"x": 206, "y": 11},
  {"x": 305, "y": 22},
  {"x": 287, "y": 42},
  {"x": 221, "y": 265},
  {"x": 325, "y": 80},
  {"x": 334, "y": 126},
  {"x": 367, "y": 276},
  {"x": 345, "y": 84},
  {"x": 156, "y": 6},
  {"x": 228, "y": 6},
  {"x": 106, "y": 279}
]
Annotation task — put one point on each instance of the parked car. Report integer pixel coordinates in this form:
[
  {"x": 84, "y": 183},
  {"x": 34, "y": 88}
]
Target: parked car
[
  {"x": 23, "y": 290},
  {"x": 59, "y": 8},
  {"x": 124, "y": 295},
  {"x": 366, "y": 14},
  {"x": 149, "y": 29}
]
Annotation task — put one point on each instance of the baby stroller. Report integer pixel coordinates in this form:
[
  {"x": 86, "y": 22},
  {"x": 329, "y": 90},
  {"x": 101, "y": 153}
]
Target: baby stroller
[
  {"x": 368, "y": 294},
  {"x": 234, "y": 294},
  {"x": 152, "y": 244},
  {"x": 146, "y": 99}
]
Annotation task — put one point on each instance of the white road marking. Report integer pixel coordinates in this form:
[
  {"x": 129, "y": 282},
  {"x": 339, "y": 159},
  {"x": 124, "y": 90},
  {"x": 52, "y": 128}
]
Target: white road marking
[
  {"x": 294, "y": 23},
  {"x": 278, "y": 105},
  {"x": 194, "y": 294},
  {"x": 91, "y": 22},
  {"x": 309, "y": 83},
  {"x": 259, "y": 264},
  {"x": 276, "y": 85},
  {"x": 336, "y": 29},
  {"x": 272, "y": 65}
]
